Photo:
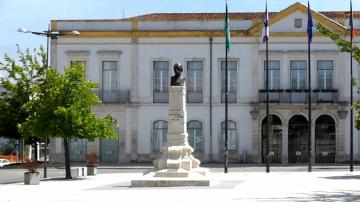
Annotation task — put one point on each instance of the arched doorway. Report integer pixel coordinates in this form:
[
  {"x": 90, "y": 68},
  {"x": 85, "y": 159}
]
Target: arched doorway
[
  {"x": 325, "y": 146},
  {"x": 298, "y": 139},
  {"x": 275, "y": 140}
]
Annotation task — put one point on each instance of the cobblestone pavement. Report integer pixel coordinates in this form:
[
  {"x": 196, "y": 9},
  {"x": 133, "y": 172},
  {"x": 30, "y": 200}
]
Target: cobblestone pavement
[{"x": 234, "y": 186}]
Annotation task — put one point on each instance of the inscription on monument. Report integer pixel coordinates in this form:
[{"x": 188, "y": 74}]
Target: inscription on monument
[{"x": 176, "y": 116}]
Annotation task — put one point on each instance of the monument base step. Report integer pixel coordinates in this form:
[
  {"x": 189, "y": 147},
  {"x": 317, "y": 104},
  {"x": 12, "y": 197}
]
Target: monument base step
[{"x": 171, "y": 180}]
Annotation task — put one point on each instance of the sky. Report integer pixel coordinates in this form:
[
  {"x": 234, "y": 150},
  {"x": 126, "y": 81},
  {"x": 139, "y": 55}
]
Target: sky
[{"x": 35, "y": 15}]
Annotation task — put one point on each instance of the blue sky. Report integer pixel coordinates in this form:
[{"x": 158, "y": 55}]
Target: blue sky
[{"x": 36, "y": 14}]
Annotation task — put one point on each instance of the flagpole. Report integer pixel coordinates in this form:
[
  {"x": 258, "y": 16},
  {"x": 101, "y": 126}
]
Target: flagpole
[
  {"x": 226, "y": 161},
  {"x": 267, "y": 109},
  {"x": 309, "y": 82},
  {"x": 266, "y": 39},
  {"x": 226, "y": 113},
  {"x": 351, "y": 94},
  {"x": 309, "y": 93}
]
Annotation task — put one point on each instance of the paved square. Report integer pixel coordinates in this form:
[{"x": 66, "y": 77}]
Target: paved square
[{"x": 234, "y": 186}]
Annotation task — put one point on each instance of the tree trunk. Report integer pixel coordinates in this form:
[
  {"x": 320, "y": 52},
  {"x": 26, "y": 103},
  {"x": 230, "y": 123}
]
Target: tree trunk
[
  {"x": 22, "y": 150},
  {"x": 67, "y": 159},
  {"x": 36, "y": 145}
]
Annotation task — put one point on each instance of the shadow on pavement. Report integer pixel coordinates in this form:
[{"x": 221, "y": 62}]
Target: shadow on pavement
[
  {"x": 63, "y": 179},
  {"x": 341, "y": 195},
  {"x": 343, "y": 177}
]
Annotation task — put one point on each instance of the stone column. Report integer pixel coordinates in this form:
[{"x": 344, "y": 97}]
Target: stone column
[
  {"x": 177, "y": 134},
  {"x": 177, "y": 159},
  {"x": 128, "y": 133},
  {"x": 313, "y": 142},
  {"x": 285, "y": 143},
  {"x": 256, "y": 142},
  {"x": 340, "y": 140}
]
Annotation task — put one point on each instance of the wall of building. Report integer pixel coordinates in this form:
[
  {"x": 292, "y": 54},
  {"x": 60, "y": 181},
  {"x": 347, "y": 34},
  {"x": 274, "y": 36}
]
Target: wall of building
[{"x": 135, "y": 57}]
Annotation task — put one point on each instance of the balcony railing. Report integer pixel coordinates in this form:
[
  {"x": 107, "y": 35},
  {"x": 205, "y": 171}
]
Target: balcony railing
[
  {"x": 326, "y": 95},
  {"x": 118, "y": 96},
  {"x": 299, "y": 96},
  {"x": 231, "y": 97}
]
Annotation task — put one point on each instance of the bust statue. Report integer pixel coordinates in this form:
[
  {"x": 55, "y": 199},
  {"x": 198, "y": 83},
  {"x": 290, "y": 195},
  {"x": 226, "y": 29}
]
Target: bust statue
[{"x": 177, "y": 79}]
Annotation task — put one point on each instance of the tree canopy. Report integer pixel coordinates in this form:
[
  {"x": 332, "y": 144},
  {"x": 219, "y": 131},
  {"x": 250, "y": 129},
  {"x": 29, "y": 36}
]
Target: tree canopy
[
  {"x": 62, "y": 107},
  {"x": 19, "y": 80}
]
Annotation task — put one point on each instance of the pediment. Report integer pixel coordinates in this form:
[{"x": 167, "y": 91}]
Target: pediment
[{"x": 284, "y": 21}]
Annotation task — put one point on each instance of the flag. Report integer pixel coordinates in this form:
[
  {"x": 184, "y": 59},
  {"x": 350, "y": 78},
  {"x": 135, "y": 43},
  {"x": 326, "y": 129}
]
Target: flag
[
  {"x": 266, "y": 25},
  {"x": 351, "y": 21},
  {"x": 227, "y": 29},
  {"x": 310, "y": 24}
]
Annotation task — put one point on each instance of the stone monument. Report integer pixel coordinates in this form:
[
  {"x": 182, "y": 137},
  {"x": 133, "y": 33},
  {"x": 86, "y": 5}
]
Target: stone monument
[{"x": 177, "y": 166}]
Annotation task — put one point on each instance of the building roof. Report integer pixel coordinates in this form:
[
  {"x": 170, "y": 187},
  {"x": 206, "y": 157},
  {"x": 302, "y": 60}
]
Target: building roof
[{"x": 219, "y": 16}]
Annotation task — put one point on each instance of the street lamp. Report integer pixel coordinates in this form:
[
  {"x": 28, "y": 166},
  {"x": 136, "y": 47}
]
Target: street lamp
[{"x": 49, "y": 35}]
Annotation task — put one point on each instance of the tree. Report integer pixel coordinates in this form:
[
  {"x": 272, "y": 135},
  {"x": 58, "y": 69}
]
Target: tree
[
  {"x": 18, "y": 81},
  {"x": 62, "y": 107},
  {"x": 345, "y": 46}
]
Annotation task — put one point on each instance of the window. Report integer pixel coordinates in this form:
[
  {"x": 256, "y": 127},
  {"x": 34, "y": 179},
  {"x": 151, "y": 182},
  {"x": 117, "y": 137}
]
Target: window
[
  {"x": 232, "y": 80},
  {"x": 194, "y": 81},
  {"x": 324, "y": 74},
  {"x": 274, "y": 74},
  {"x": 161, "y": 82},
  {"x": 194, "y": 129},
  {"x": 78, "y": 62},
  {"x": 232, "y": 141},
  {"x": 298, "y": 23},
  {"x": 159, "y": 135},
  {"x": 298, "y": 74},
  {"x": 109, "y": 81}
]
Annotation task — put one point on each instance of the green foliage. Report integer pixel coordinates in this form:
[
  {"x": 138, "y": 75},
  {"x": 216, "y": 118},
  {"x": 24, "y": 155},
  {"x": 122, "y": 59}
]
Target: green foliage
[
  {"x": 62, "y": 108},
  {"x": 19, "y": 81},
  {"x": 345, "y": 46}
]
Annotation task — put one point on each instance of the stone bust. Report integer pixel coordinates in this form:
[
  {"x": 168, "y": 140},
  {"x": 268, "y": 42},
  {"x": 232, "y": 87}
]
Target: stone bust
[{"x": 178, "y": 79}]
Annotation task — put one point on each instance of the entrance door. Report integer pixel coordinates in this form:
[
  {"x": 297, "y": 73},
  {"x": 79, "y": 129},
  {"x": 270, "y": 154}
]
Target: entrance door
[
  {"x": 275, "y": 141},
  {"x": 109, "y": 151},
  {"x": 325, "y": 146},
  {"x": 78, "y": 150},
  {"x": 298, "y": 140}
]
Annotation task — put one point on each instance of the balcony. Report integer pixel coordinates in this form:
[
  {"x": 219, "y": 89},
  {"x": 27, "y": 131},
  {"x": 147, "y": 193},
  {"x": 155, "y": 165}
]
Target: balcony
[
  {"x": 326, "y": 95},
  {"x": 290, "y": 96},
  {"x": 231, "y": 97},
  {"x": 118, "y": 96}
]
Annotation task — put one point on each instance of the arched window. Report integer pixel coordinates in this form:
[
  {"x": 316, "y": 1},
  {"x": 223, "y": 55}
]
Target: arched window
[
  {"x": 159, "y": 135},
  {"x": 194, "y": 129},
  {"x": 232, "y": 139}
]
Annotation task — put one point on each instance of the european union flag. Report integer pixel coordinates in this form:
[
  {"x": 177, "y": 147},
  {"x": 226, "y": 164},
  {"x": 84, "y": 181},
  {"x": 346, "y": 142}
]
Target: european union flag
[{"x": 310, "y": 24}]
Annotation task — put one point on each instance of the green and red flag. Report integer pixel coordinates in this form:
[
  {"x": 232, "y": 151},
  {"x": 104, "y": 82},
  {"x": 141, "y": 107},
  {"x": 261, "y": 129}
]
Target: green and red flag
[
  {"x": 351, "y": 21},
  {"x": 227, "y": 29}
]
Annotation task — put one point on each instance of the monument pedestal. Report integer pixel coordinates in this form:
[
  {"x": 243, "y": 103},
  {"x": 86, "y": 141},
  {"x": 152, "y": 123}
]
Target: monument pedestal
[{"x": 177, "y": 166}]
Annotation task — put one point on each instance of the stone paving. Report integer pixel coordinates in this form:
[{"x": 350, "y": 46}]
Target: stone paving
[{"x": 234, "y": 186}]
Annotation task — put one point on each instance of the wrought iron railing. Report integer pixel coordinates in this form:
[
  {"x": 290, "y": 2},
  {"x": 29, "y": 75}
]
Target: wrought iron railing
[
  {"x": 114, "y": 96},
  {"x": 299, "y": 96}
]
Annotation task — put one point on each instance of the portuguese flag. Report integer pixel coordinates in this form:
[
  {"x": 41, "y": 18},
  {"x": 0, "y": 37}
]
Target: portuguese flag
[{"x": 351, "y": 21}]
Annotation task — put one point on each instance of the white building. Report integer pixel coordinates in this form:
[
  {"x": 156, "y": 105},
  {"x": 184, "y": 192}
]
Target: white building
[{"x": 132, "y": 60}]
